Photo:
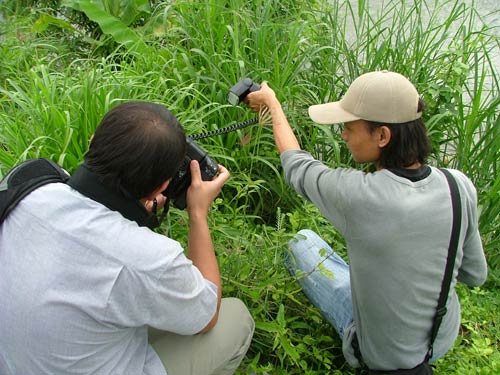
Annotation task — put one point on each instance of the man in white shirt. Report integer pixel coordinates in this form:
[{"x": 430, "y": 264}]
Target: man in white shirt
[{"x": 87, "y": 288}]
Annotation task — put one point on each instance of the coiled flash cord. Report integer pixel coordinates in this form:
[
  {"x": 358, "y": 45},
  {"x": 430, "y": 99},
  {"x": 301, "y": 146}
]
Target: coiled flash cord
[{"x": 227, "y": 129}]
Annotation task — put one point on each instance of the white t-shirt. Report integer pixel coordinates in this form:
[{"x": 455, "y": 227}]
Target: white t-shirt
[{"x": 80, "y": 284}]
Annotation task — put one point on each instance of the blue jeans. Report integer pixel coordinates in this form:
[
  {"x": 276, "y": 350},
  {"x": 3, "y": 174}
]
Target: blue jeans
[{"x": 324, "y": 277}]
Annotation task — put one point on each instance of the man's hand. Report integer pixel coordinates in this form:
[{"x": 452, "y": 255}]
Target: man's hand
[
  {"x": 201, "y": 194},
  {"x": 263, "y": 97},
  {"x": 283, "y": 134}
]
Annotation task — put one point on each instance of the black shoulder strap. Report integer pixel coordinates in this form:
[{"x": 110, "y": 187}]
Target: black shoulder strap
[
  {"x": 88, "y": 183},
  {"x": 24, "y": 178},
  {"x": 450, "y": 262}
]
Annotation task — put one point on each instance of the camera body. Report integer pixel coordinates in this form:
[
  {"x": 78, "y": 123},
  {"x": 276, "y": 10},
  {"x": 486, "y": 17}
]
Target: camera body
[
  {"x": 177, "y": 188},
  {"x": 238, "y": 92}
]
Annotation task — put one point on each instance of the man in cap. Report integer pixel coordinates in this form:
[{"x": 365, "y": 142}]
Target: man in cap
[{"x": 396, "y": 223}]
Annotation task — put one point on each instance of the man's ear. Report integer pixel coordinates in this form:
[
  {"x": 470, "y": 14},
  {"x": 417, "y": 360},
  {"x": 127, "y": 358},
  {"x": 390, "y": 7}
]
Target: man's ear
[
  {"x": 157, "y": 191},
  {"x": 384, "y": 136}
]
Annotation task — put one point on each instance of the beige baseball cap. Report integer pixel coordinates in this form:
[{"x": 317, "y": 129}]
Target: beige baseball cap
[{"x": 380, "y": 96}]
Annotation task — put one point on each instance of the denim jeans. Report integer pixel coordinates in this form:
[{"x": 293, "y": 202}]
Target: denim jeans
[{"x": 331, "y": 295}]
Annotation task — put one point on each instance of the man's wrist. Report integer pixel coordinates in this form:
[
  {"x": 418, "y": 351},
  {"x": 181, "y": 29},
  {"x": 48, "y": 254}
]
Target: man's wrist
[
  {"x": 273, "y": 105},
  {"x": 197, "y": 217}
]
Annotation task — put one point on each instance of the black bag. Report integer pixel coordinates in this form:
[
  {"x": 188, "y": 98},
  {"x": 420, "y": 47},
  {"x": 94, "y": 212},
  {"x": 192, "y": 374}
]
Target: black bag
[
  {"x": 24, "y": 178},
  {"x": 422, "y": 369}
]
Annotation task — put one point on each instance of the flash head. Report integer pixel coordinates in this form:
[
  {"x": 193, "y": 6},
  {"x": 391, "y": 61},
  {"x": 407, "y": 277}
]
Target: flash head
[{"x": 238, "y": 92}]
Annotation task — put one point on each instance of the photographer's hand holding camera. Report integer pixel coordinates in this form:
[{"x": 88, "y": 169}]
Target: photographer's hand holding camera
[
  {"x": 87, "y": 287},
  {"x": 200, "y": 196},
  {"x": 397, "y": 223}
]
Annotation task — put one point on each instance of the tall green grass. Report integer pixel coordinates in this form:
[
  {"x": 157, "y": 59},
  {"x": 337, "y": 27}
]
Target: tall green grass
[{"x": 56, "y": 84}]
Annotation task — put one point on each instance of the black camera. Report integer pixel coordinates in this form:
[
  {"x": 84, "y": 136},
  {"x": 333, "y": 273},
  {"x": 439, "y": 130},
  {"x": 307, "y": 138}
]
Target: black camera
[
  {"x": 238, "y": 92},
  {"x": 177, "y": 188}
]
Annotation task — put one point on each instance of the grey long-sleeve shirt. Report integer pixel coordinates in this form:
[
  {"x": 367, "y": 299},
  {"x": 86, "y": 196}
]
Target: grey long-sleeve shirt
[{"x": 397, "y": 233}]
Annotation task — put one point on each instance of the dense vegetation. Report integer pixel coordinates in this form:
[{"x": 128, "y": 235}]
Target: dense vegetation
[{"x": 63, "y": 64}]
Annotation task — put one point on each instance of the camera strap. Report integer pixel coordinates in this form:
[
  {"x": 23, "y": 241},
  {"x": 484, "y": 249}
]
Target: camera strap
[{"x": 88, "y": 183}]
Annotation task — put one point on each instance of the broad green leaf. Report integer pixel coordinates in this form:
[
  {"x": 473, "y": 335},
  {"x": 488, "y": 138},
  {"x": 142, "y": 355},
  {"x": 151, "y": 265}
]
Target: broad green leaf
[{"x": 109, "y": 24}]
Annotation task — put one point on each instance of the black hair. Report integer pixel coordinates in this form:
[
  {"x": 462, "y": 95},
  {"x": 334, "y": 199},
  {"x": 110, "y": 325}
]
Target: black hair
[
  {"x": 136, "y": 147},
  {"x": 409, "y": 143}
]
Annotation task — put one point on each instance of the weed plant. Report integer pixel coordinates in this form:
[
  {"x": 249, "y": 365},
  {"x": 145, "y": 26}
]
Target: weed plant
[{"x": 57, "y": 79}]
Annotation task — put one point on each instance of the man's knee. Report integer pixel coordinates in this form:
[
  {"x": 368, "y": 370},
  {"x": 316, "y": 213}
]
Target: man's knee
[{"x": 236, "y": 314}]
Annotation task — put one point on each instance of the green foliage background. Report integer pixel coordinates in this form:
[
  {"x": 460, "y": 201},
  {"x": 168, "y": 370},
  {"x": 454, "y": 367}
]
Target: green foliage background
[{"x": 64, "y": 63}]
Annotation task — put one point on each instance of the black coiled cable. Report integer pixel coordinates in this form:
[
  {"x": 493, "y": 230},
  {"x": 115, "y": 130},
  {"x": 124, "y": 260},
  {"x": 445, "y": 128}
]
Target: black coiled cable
[{"x": 227, "y": 129}]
